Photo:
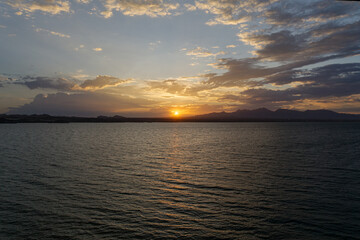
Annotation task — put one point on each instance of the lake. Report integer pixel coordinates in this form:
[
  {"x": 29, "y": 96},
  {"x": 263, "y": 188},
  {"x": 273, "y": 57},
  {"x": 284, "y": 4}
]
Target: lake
[{"x": 180, "y": 181}]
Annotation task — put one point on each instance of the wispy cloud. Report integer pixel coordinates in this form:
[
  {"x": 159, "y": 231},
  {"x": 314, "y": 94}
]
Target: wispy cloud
[
  {"x": 154, "y": 45},
  {"x": 37, "y": 29},
  {"x": 203, "y": 52},
  {"x": 98, "y": 49},
  {"x": 80, "y": 47}
]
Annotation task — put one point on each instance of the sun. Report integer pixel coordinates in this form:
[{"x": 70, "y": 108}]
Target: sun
[{"x": 175, "y": 113}]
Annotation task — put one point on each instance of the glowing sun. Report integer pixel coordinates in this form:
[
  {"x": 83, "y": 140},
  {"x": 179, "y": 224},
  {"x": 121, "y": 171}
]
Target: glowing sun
[{"x": 175, "y": 113}]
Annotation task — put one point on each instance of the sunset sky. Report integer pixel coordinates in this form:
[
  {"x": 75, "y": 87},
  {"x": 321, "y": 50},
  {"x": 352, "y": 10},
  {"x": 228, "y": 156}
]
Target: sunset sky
[{"x": 156, "y": 57}]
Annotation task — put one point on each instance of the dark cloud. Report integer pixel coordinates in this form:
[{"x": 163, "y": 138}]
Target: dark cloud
[
  {"x": 337, "y": 80},
  {"x": 278, "y": 46},
  {"x": 324, "y": 40},
  {"x": 261, "y": 97},
  {"x": 244, "y": 72},
  {"x": 63, "y": 84},
  {"x": 329, "y": 30},
  {"x": 329, "y": 74},
  {"x": 300, "y": 12},
  {"x": 240, "y": 72},
  {"x": 81, "y": 104},
  {"x": 47, "y": 83},
  {"x": 333, "y": 80}
]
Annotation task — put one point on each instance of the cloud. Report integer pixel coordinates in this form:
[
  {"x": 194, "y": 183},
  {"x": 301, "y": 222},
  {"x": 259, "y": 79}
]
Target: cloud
[
  {"x": 327, "y": 39},
  {"x": 154, "y": 45},
  {"x": 97, "y": 49},
  {"x": 169, "y": 86},
  {"x": 190, "y": 7},
  {"x": 334, "y": 80},
  {"x": 203, "y": 52},
  {"x": 331, "y": 81},
  {"x": 83, "y": 1},
  {"x": 80, "y": 47},
  {"x": 46, "y": 6},
  {"x": 230, "y": 46},
  {"x": 291, "y": 36},
  {"x": 47, "y": 83},
  {"x": 151, "y": 8},
  {"x": 230, "y": 12},
  {"x": 3, "y": 78},
  {"x": 81, "y": 104},
  {"x": 274, "y": 12},
  {"x": 101, "y": 82},
  {"x": 52, "y": 32},
  {"x": 317, "y": 12},
  {"x": 240, "y": 73},
  {"x": 290, "y": 32},
  {"x": 63, "y": 84}
]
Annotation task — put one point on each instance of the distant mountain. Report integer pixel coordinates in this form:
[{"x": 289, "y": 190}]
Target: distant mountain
[
  {"x": 280, "y": 114},
  {"x": 256, "y": 115}
]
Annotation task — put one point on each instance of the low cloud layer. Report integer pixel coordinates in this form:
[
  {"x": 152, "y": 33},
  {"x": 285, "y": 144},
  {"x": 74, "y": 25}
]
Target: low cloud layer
[
  {"x": 63, "y": 84},
  {"x": 81, "y": 104}
]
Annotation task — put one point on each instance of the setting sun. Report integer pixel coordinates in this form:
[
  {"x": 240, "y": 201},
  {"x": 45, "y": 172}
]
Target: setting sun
[{"x": 175, "y": 113}]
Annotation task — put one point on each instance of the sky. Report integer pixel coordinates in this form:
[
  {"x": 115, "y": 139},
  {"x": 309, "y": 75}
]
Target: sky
[{"x": 152, "y": 58}]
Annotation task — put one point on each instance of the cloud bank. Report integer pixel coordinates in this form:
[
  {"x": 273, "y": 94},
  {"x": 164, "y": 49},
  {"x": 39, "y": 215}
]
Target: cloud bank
[{"x": 81, "y": 104}]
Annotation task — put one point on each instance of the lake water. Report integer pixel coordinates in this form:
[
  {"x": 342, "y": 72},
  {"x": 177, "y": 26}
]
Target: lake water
[{"x": 180, "y": 181}]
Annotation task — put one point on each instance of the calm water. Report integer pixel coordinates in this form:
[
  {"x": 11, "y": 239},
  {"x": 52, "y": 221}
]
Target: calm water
[{"x": 180, "y": 181}]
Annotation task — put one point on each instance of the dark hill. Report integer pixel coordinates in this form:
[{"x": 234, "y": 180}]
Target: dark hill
[{"x": 280, "y": 114}]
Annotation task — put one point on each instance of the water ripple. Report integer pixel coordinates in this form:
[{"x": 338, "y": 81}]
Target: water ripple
[{"x": 180, "y": 181}]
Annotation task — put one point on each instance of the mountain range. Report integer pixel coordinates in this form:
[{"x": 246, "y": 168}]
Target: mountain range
[{"x": 280, "y": 114}]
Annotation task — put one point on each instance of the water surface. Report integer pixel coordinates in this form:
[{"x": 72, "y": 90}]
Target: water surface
[{"x": 180, "y": 181}]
